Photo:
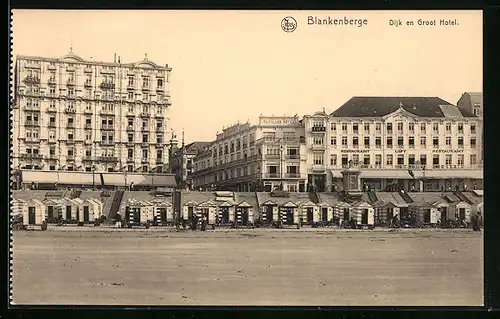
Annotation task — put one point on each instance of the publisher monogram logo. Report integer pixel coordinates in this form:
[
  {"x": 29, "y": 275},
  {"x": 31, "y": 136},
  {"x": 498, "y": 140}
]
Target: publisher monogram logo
[{"x": 288, "y": 24}]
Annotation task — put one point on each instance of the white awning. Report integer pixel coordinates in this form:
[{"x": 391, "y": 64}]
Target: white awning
[
  {"x": 390, "y": 174},
  {"x": 336, "y": 174},
  {"x": 479, "y": 192},
  {"x": 65, "y": 177},
  {"x": 448, "y": 174}
]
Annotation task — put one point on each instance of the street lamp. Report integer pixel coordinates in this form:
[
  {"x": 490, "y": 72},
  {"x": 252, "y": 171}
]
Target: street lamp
[{"x": 281, "y": 165}]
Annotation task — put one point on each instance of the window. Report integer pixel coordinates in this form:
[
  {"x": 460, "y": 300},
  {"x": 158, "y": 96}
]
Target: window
[
  {"x": 378, "y": 127},
  {"x": 130, "y": 153},
  {"x": 145, "y": 138},
  {"x": 378, "y": 142},
  {"x": 355, "y": 158},
  {"x": 400, "y": 127},
  {"x": 159, "y": 83},
  {"x": 52, "y": 91},
  {"x": 411, "y": 159},
  {"x": 460, "y": 142},
  {"x": 71, "y": 92},
  {"x": 460, "y": 128},
  {"x": 344, "y": 127},
  {"x": 159, "y": 138},
  {"x": 70, "y": 152},
  {"x": 344, "y": 140},
  {"x": 435, "y": 159},
  {"x": 473, "y": 142},
  {"x": 473, "y": 159},
  {"x": 435, "y": 127},
  {"x": 333, "y": 126},
  {"x": 130, "y": 81},
  {"x": 388, "y": 159},
  {"x": 423, "y": 159},
  {"x": 145, "y": 154},
  {"x": 70, "y": 137},
  {"x": 88, "y": 136},
  {"x": 355, "y": 128},
  {"x": 389, "y": 128},
  {"x": 422, "y": 140},
  {"x": 435, "y": 141},
  {"x": 389, "y": 141},
  {"x": 448, "y": 141},
  {"x": 52, "y": 121},
  {"x": 401, "y": 159},
  {"x": 52, "y": 151},
  {"x": 130, "y": 95},
  {"x": 333, "y": 141},
  {"x": 367, "y": 128},
  {"x": 411, "y": 142},
  {"x": 145, "y": 82},
  {"x": 378, "y": 159},
  {"x": 411, "y": 127},
  {"x": 145, "y": 124},
  {"x": 318, "y": 141},
  {"x": 367, "y": 142},
  {"x": 345, "y": 159},
  {"x": 130, "y": 108},
  {"x": 476, "y": 110},
  {"x": 159, "y": 154},
  {"x": 318, "y": 159},
  {"x": 447, "y": 159},
  {"x": 422, "y": 127},
  {"x": 355, "y": 142},
  {"x": 400, "y": 141},
  {"x": 448, "y": 127},
  {"x": 366, "y": 159},
  {"x": 473, "y": 129},
  {"x": 333, "y": 159}
]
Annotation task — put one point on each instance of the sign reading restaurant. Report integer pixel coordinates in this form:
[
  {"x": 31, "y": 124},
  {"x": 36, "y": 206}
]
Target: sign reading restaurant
[
  {"x": 448, "y": 151},
  {"x": 355, "y": 151}
]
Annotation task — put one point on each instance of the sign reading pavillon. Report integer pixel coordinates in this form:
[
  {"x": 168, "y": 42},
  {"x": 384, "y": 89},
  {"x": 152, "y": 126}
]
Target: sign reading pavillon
[{"x": 278, "y": 120}]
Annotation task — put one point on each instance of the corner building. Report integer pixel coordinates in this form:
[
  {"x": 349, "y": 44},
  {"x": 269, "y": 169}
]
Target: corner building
[
  {"x": 76, "y": 115},
  {"x": 420, "y": 143},
  {"x": 247, "y": 157}
]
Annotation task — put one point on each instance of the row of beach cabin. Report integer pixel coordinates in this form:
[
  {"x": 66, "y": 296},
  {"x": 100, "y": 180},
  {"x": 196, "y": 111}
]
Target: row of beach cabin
[{"x": 230, "y": 209}]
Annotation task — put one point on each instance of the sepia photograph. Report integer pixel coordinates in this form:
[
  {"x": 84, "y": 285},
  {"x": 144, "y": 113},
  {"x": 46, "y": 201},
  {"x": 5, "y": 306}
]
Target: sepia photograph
[{"x": 246, "y": 158}]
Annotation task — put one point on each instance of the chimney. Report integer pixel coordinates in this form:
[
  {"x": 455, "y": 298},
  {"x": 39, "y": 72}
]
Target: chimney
[
  {"x": 114, "y": 59},
  {"x": 119, "y": 59}
]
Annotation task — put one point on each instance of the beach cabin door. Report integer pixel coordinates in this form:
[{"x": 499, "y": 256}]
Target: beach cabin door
[
  {"x": 244, "y": 215},
  {"x": 346, "y": 214},
  {"x": 163, "y": 214},
  {"x": 310, "y": 211},
  {"x": 443, "y": 213},
  {"x": 137, "y": 215},
  {"x": 461, "y": 212},
  {"x": 50, "y": 212},
  {"x": 68, "y": 212},
  {"x": 78, "y": 213},
  {"x": 86, "y": 214},
  {"x": 427, "y": 216},
  {"x": 190, "y": 212},
  {"x": 324, "y": 214},
  {"x": 364, "y": 216},
  {"x": 31, "y": 215}
]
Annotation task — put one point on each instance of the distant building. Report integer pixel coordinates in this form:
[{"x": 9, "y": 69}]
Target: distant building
[
  {"x": 392, "y": 138},
  {"x": 472, "y": 102},
  {"x": 247, "y": 157},
  {"x": 181, "y": 160},
  {"x": 71, "y": 114}
]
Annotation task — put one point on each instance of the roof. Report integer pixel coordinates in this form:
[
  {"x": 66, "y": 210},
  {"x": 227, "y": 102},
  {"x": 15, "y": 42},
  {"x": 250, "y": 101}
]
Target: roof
[
  {"x": 363, "y": 106},
  {"x": 196, "y": 147}
]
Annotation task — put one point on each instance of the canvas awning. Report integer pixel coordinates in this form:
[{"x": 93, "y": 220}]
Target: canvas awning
[
  {"x": 336, "y": 174},
  {"x": 449, "y": 174},
  {"x": 478, "y": 192},
  {"x": 390, "y": 174}
]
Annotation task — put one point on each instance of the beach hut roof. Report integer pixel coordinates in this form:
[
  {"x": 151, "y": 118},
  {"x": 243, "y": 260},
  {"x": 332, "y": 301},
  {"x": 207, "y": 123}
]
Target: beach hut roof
[
  {"x": 343, "y": 204},
  {"x": 306, "y": 204},
  {"x": 421, "y": 205},
  {"x": 361, "y": 203},
  {"x": 289, "y": 204},
  {"x": 244, "y": 204},
  {"x": 440, "y": 203},
  {"x": 207, "y": 203},
  {"x": 190, "y": 203},
  {"x": 227, "y": 204},
  {"x": 270, "y": 202}
]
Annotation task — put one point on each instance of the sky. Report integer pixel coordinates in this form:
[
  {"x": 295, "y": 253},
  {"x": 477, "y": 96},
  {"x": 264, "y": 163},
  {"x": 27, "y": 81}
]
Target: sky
[{"x": 232, "y": 66}]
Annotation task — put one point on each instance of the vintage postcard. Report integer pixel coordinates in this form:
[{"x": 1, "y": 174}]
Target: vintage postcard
[{"x": 247, "y": 158}]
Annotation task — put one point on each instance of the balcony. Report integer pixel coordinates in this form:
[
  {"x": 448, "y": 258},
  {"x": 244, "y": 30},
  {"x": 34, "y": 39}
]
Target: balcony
[
  {"x": 51, "y": 157},
  {"x": 88, "y": 83},
  {"x": 318, "y": 167},
  {"x": 70, "y": 141},
  {"x": 88, "y": 126},
  {"x": 71, "y": 82},
  {"x": 272, "y": 175},
  {"x": 87, "y": 70},
  {"x": 107, "y": 86},
  {"x": 278, "y": 141},
  {"x": 87, "y": 142},
  {"x": 107, "y": 112},
  {"x": 292, "y": 156},
  {"x": 52, "y": 125},
  {"x": 107, "y": 159},
  {"x": 159, "y": 161},
  {"x": 319, "y": 129},
  {"x": 107, "y": 143},
  {"x": 52, "y": 141},
  {"x": 159, "y": 129},
  {"x": 107, "y": 127},
  {"x": 130, "y": 143},
  {"x": 87, "y": 159},
  {"x": 273, "y": 156},
  {"x": 144, "y": 160},
  {"x": 159, "y": 144},
  {"x": 130, "y": 160},
  {"x": 52, "y": 67},
  {"x": 27, "y": 156},
  {"x": 145, "y": 115},
  {"x": 292, "y": 175},
  {"x": 88, "y": 111},
  {"x": 319, "y": 147},
  {"x": 144, "y": 129},
  {"x": 52, "y": 110},
  {"x": 159, "y": 115},
  {"x": 145, "y": 144},
  {"x": 70, "y": 125},
  {"x": 130, "y": 129},
  {"x": 32, "y": 140},
  {"x": 70, "y": 110},
  {"x": 70, "y": 157},
  {"x": 32, "y": 123},
  {"x": 31, "y": 80},
  {"x": 145, "y": 87},
  {"x": 130, "y": 114},
  {"x": 130, "y": 86}
]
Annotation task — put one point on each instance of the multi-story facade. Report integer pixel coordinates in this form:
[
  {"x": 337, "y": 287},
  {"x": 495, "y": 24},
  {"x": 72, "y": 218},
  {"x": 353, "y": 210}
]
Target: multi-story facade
[
  {"x": 181, "y": 160},
  {"x": 472, "y": 102},
  {"x": 247, "y": 157},
  {"x": 420, "y": 143},
  {"x": 77, "y": 115}
]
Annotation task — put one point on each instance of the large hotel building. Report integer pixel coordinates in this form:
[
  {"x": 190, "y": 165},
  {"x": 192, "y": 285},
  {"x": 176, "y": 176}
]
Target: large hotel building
[
  {"x": 70, "y": 114},
  {"x": 247, "y": 157},
  {"x": 420, "y": 143}
]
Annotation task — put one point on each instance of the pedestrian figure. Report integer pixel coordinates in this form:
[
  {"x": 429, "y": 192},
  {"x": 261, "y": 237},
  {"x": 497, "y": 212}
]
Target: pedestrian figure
[
  {"x": 203, "y": 223},
  {"x": 465, "y": 187},
  {"x": 184, "y": 224}
]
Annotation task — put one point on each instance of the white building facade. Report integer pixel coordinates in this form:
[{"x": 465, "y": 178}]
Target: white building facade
[
  {"x": 247, "y": 157},
  {"x": 424, "y": 144},
  {"x": 77, "y": 115}
]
